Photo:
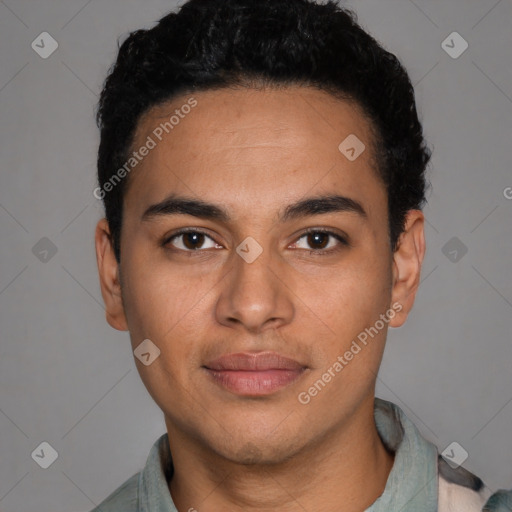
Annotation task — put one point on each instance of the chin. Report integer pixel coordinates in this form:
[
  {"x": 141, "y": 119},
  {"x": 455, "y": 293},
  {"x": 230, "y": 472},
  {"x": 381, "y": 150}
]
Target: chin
[{"x": 260, "y": 452}]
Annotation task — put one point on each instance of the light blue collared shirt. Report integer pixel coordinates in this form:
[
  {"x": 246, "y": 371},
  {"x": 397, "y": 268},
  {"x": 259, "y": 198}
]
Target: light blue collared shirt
[{"x": 412, "y": 485}]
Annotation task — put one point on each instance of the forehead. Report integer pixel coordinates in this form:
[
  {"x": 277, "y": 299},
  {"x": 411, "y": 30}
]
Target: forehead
[{"x": 247, "y": 142}]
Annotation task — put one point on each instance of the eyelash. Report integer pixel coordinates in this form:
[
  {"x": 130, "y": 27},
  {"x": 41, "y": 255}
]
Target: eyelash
[{"x": 315, "y": 252}]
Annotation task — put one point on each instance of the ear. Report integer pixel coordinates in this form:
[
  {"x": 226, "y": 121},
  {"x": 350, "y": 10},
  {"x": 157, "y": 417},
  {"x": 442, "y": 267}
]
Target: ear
[
  {"x": 407, "y": 260},
  {"x": 108, "y": 270}
]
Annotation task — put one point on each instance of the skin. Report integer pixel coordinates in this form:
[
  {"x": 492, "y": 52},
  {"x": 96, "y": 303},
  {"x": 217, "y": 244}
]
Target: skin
[{"x": 253, "y": 152}]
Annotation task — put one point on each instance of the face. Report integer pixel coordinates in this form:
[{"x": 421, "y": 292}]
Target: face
[{"x": 285, "y": 263}]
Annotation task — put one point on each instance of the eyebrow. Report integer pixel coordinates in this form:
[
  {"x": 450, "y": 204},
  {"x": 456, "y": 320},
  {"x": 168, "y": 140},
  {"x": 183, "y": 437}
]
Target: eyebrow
[{"x": 179, "y": 205}]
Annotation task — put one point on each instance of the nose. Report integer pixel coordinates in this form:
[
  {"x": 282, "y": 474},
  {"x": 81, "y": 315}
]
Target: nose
[{"x": 255, "y": 295}]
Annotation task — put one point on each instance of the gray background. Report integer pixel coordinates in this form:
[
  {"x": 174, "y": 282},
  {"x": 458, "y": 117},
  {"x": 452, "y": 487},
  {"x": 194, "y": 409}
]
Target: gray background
[{"x": 69, "y": 379}]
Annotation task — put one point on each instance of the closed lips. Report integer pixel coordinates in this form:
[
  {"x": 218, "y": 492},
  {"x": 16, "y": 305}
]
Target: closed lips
[{"x": 260, "y": 361}]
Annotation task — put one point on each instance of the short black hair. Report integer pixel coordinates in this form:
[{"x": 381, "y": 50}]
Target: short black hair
[{"x": 212, "y": 44}]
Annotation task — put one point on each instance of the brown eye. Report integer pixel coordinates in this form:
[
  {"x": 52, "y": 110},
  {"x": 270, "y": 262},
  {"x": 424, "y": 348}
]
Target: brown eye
[
  {"x": 191, "y": 240},
  {"x": 318, "y": 240},
  {"x": 321, "y": 241}
]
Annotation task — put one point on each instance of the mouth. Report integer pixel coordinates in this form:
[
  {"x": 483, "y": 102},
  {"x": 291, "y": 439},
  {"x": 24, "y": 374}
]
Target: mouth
[{"x": 254, "y": 374}]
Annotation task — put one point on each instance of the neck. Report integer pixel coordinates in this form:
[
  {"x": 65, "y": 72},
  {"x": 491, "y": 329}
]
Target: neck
[{"x": 349, "y": 466}]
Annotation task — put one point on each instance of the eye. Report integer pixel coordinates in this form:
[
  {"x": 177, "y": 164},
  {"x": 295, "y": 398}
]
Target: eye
[
  {"x": 191, "y": 240},
  {"x": 322, "y": 241}
]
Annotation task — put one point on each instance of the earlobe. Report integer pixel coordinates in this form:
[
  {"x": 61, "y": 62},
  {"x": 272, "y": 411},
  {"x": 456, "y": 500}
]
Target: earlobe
[
  {"x": 407, "y": 261},
  {"x": 108, "y": 270}
]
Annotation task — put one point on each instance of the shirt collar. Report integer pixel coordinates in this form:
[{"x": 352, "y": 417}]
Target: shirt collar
[
  {"x": 412, "y": 484},
  {"x": 154, "y": 495}
]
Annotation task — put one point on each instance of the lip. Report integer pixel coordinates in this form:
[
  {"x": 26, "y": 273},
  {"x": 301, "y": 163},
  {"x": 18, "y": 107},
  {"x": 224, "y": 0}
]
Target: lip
[{"x": 254, "y": 374}]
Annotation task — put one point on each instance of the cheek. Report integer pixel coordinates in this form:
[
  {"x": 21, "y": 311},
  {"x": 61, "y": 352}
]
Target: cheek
[
  {"x": 164, "y": 309},
  {"x": 156, "y": 298},
  {"x": 350, "y": 298},
  {"x": 172, "y": 311}
]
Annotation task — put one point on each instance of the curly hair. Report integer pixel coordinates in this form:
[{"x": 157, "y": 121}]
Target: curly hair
[{"x": 212, "y": 44}]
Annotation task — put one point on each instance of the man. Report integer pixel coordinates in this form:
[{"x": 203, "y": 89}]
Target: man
[{"x": 262, "y": 168}]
